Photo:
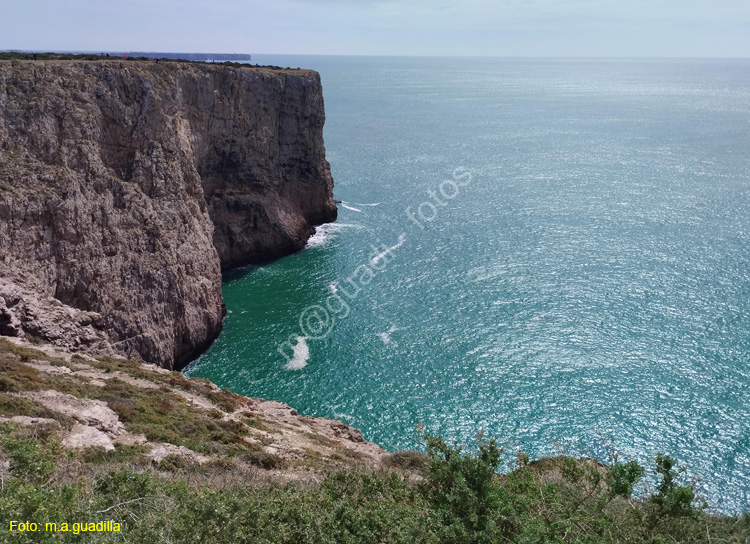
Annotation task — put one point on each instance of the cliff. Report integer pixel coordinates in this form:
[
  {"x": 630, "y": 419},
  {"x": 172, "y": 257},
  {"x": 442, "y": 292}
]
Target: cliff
[{"x": 127, "y": 186}]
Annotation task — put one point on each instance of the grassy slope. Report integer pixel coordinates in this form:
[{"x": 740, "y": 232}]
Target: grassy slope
[{"x": 236, "y": 491}]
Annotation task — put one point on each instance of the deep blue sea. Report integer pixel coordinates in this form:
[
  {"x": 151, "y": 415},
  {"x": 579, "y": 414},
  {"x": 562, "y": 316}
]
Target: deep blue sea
[{"x": 568, "y": 264}]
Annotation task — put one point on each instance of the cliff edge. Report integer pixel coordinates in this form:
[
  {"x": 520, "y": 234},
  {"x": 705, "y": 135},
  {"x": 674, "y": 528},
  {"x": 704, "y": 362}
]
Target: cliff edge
[{"x": 127, "y": 186}]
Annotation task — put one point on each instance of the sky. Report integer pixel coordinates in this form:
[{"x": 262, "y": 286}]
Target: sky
[{"x": 515, "y": 28}]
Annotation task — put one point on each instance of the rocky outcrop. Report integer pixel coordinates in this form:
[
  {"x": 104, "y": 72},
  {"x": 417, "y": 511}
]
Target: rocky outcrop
[
  {"x": 126, "y": 187},
  {"x": 95, "y": 401}
]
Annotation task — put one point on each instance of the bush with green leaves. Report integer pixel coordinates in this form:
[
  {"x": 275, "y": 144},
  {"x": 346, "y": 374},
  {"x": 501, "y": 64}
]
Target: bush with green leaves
[
  {"x": 30, "y": 459},
  {"x": 460, "y": 498}
]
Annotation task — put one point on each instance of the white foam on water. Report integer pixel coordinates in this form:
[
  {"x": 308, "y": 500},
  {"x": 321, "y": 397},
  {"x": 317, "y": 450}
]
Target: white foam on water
[
  {"x": 386, "y": 336},
  {"x": 401, "y": 241},
  {"x": 333, "y": 288},
  {"x": 324, "y": 233},
  {"x": 352, "y": 208},
  {"x": 301, "y": 355},
  {"x": 370, "y": 204}
]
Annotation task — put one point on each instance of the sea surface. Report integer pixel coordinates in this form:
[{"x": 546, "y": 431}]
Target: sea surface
[{"x": 574, "y": 277}]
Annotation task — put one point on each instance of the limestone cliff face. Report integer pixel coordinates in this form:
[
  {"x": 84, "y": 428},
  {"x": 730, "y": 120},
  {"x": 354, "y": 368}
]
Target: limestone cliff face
[{"x": 126, "y": 186}]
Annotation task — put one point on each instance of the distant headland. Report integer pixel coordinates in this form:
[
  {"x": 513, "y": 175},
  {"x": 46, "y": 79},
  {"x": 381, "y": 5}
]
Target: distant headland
[{"x": 205, "y": 57}]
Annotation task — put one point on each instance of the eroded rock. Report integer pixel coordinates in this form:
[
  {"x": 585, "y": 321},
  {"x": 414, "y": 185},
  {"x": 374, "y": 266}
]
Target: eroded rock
[
  {"x": 85, "y": 436},
  {"x": 94, "y": 413},
  {"x": 125, "y": 187}
]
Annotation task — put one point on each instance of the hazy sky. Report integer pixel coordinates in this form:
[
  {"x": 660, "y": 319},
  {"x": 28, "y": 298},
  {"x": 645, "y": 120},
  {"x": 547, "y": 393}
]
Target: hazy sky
[{"x": 384, "y": 27}]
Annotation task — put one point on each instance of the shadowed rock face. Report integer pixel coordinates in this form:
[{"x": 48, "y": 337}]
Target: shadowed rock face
[{"x": 126, "y": 186}]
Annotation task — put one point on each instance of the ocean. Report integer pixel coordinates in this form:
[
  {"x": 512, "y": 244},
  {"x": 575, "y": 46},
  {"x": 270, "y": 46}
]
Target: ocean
[{"x": 554, "y": 252}]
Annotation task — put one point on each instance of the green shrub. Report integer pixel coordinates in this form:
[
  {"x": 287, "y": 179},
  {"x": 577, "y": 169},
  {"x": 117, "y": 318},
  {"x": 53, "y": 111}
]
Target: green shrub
[
  {"x": 622, "y": 477},
  {"x": 28, "y": 460},
  {"x": 174, "y": 463},
  {"x": 411, "y": 460},
  {"x": 464, "y": 489},
  {"x": 671, "y": 501}
]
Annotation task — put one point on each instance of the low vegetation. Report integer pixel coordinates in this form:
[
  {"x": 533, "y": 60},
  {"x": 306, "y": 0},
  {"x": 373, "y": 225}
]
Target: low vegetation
[
  {"x": 460, "y": 499},
  {"x": 233, "y": 490},
  {"x": 159, "y": 413}
]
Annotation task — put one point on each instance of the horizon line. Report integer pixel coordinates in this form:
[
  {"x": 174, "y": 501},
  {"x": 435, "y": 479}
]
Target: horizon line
[{"x": 367, "y": 55}]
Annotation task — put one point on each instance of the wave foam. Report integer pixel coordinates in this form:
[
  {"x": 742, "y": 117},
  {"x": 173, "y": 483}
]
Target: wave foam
[
  {"x": 401, "y": 241},
  {"x": 301, "y": 355},
  {"x": 324, "y": 232},
  {"x": 386, "y": 336}
]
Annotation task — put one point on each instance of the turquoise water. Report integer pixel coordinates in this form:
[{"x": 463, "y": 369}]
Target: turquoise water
[{"x": 586, "y": 289}]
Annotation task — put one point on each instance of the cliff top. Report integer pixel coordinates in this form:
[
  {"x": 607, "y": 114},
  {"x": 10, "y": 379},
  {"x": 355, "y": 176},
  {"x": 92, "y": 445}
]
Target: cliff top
[
  {"x": 149, "y": 415},
  {"x": 60, "y": 58}
]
